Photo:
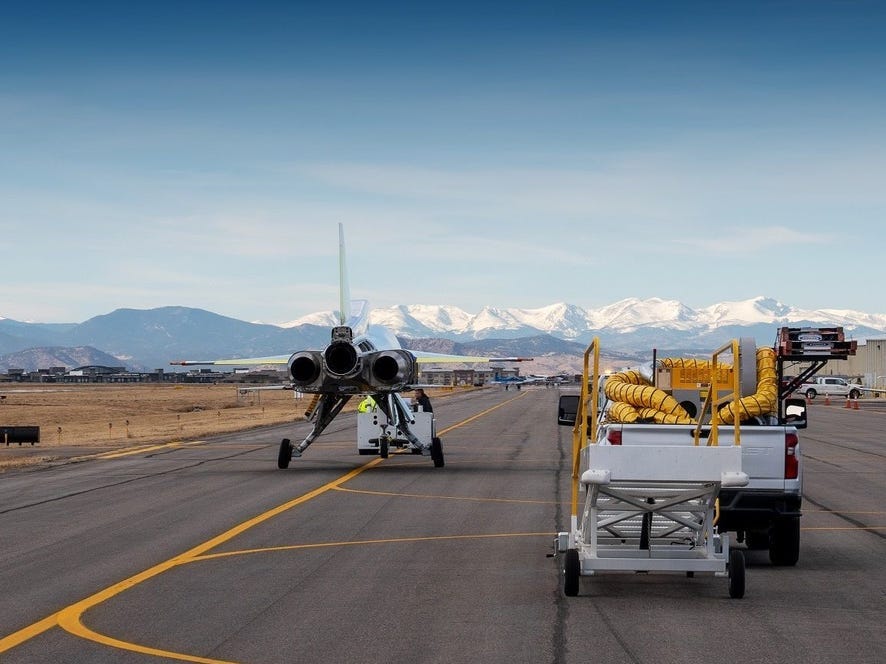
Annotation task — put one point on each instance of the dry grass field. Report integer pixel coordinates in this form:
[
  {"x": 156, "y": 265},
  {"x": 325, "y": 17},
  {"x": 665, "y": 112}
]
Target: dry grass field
[{"x": 116, "y": 416}]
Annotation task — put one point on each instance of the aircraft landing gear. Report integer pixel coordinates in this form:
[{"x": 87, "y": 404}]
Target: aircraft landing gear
[
  {"x": 437, "y": 452},
  {"x": 285, "y": 455}
]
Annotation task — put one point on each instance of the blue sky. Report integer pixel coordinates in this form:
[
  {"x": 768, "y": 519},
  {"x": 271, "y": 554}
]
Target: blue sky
[{"x": 507, "y": 154}]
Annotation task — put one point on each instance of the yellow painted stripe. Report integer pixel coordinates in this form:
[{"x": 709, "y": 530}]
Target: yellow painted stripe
[
  {"x": 129, "y": 451},
  {"x": 28, "y": 633},
  {"x": 843, "y": 528},
  {"x": 393, "y": 540},
  {"x": 438, "y": 497},
  {"x": 70, "y": 618},
  {"x": 481, "y": 414}
]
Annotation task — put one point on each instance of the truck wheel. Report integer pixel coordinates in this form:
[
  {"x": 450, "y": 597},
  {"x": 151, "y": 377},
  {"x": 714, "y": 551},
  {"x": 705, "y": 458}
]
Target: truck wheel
[
  {"x": 736, "y": 574},
  {"x": 810, "y": 393},
  {"x": 571, "y": 573},
  {"x": 784, "y": 541},
  {"x": 757, "y": 540},
  {"x": 854, "y": 394}
]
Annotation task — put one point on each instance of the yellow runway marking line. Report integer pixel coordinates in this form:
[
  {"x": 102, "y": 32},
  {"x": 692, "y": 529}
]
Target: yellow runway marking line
[
  {"x": 841, "y": 528},
  {"x": 810, "y": 512},
  {"x": 392, "y": 540},
  {"x": 70, "y": 618},
  {"x": 480, "y": 414},
  {"x": 439, "y": 497},
  {"x": 129, "y": 451}
]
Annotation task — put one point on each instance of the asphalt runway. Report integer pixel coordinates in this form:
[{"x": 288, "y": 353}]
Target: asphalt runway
[{"x": 206, "y": 552}]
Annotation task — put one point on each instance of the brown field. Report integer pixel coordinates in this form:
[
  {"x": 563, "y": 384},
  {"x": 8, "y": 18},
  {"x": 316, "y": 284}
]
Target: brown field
[{"x": 126, "y": 415}]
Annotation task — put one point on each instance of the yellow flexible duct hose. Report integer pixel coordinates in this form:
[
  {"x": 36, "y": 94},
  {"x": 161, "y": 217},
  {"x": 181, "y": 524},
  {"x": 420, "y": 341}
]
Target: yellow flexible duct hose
[
  {"x": 630, "y": 387},
  {"x": 765, "y": 400},
  {"x": 623, "y": 412}
]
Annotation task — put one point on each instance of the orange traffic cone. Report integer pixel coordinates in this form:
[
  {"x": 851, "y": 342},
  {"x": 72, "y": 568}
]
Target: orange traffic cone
[
  {"x": 855, "y": 404},
  {"x": 827, "y": 399},
  {"x": 848, "y": 403}
]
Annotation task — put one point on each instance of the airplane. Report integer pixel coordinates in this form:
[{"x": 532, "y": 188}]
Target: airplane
[
  {"x": 360, "y": 360},
  {"x": 530, "y": 379}
]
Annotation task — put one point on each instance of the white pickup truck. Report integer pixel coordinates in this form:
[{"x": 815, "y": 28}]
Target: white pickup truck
[
  {"x": 765, "y": 513},
  {"x": 830, "y": 386}
]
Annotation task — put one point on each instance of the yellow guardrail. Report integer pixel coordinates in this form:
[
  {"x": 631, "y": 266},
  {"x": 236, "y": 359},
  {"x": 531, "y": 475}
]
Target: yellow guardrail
[
  {"x": 713, "y": 400},
  {"x": 588, "y": 401}
]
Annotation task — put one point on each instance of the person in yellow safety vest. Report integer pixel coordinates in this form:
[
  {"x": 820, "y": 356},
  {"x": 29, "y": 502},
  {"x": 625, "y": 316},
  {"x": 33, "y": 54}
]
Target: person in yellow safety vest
[{"x": 368, "y": 404}]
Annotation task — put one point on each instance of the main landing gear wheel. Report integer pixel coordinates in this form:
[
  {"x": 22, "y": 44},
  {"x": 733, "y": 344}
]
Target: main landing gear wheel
[
  {"x": 437, "y": 452},
  {"x": 285, "y": 455},
  {"x": 383, "y": 448},
  {"x": 736, "y": 574},
  {"x": 571, "y": 573}
]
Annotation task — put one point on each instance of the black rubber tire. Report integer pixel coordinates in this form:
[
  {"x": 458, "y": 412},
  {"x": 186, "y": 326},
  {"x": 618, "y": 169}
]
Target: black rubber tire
[
  {"x": 362, "y": 451},
  {"x": 757, "y": 540},
  {"x": 571, "y": 573},
  {"x": 811, "y": 394},
  {"x": 854, "y": 394},
  {"x": 736, "y": 574},
  {"x": 784, "y": 541},
  {"x": 383, "y": 448},
  {"x": 437, "y": 452},
  {"x": 285, "y": 454}
]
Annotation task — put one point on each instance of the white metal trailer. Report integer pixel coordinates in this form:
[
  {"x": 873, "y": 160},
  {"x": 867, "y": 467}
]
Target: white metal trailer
[
  {"x": 649, "y": 508},
  {"x": 375, "y": 435}
]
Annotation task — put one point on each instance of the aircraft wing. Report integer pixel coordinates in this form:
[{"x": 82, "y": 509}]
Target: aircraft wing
[
  {"x": 242, "y": 362},
  {"x": 423, "y": 357}
]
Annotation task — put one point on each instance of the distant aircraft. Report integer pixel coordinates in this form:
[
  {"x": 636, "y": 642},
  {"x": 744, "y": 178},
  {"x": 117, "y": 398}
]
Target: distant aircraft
[
  {"x": 531, "y": 379},
  {"x": 361, "y": 359}
]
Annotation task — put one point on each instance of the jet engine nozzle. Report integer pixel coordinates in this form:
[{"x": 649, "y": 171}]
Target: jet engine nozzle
[
  {"x": 305, "y": 367},
  {"x": 342, "y": 359},
  {"x": 389, "y": 368}
]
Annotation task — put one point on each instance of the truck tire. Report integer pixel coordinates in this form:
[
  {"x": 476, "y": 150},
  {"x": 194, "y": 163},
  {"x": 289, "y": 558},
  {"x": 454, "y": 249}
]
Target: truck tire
[
  {"x": 854, "y": 394},
  {"x": 757, "y": 540},
  {"x": 784, "y": 541},
  {"x": 810, "y": 393}
]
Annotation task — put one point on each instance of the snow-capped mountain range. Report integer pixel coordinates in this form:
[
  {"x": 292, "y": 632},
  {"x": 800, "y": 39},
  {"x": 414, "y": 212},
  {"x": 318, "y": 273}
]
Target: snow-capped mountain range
[
  {"x": 625, "y": 317},
  {"x": 150, "y": 338}
]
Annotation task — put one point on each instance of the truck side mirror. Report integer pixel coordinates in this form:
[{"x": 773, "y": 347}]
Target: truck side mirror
[
  {"x": 567, "y": 409},
  {"x": 795, "y": 413}
]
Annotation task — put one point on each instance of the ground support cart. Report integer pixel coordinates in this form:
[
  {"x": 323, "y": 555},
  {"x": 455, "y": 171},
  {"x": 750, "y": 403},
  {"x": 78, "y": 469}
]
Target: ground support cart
[
  {"x": 375, "y": 435},
  {"x": 649, "y": 507},
  {"x": 652, "y": 509}
]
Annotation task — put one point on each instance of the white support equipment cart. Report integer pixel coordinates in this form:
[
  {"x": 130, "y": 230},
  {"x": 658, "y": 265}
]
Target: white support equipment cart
[{"x": 647, "y": 508}]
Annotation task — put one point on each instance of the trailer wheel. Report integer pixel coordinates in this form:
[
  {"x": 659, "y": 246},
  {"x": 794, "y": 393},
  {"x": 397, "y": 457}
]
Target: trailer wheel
[
  {"x": 784, "y": 541},
  {"x": 437, "y": 452},
  {"x": 284, "y": 456},
  {"x": 736, "y": 574},
  {"x": 571, "y": 573},
  {"x": 383, "y": 448},
  {"x": 811, "y": 394},
  {"x": 854, "y": 394}
]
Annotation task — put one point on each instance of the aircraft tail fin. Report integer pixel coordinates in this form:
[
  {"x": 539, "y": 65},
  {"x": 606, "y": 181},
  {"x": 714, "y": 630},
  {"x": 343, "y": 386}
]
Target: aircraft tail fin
[{"x": 344, "y": 299}]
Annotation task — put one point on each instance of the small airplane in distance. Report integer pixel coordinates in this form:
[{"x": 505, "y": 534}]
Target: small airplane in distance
[
  {"x": 530, "y": 379},
  {"x": 360, "y": 360}
]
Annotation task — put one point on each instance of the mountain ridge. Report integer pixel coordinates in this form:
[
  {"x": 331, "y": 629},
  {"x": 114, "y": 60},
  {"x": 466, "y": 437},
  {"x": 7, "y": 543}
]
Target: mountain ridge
[{"x": 146, "y": 339}]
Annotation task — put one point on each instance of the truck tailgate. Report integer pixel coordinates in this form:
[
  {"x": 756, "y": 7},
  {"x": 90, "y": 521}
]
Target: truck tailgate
[{"x": 762, "y": 447}]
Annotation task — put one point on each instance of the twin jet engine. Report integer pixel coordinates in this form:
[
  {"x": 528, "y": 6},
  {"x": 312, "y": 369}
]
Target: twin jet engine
[{"x": 343, "y": 367}]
